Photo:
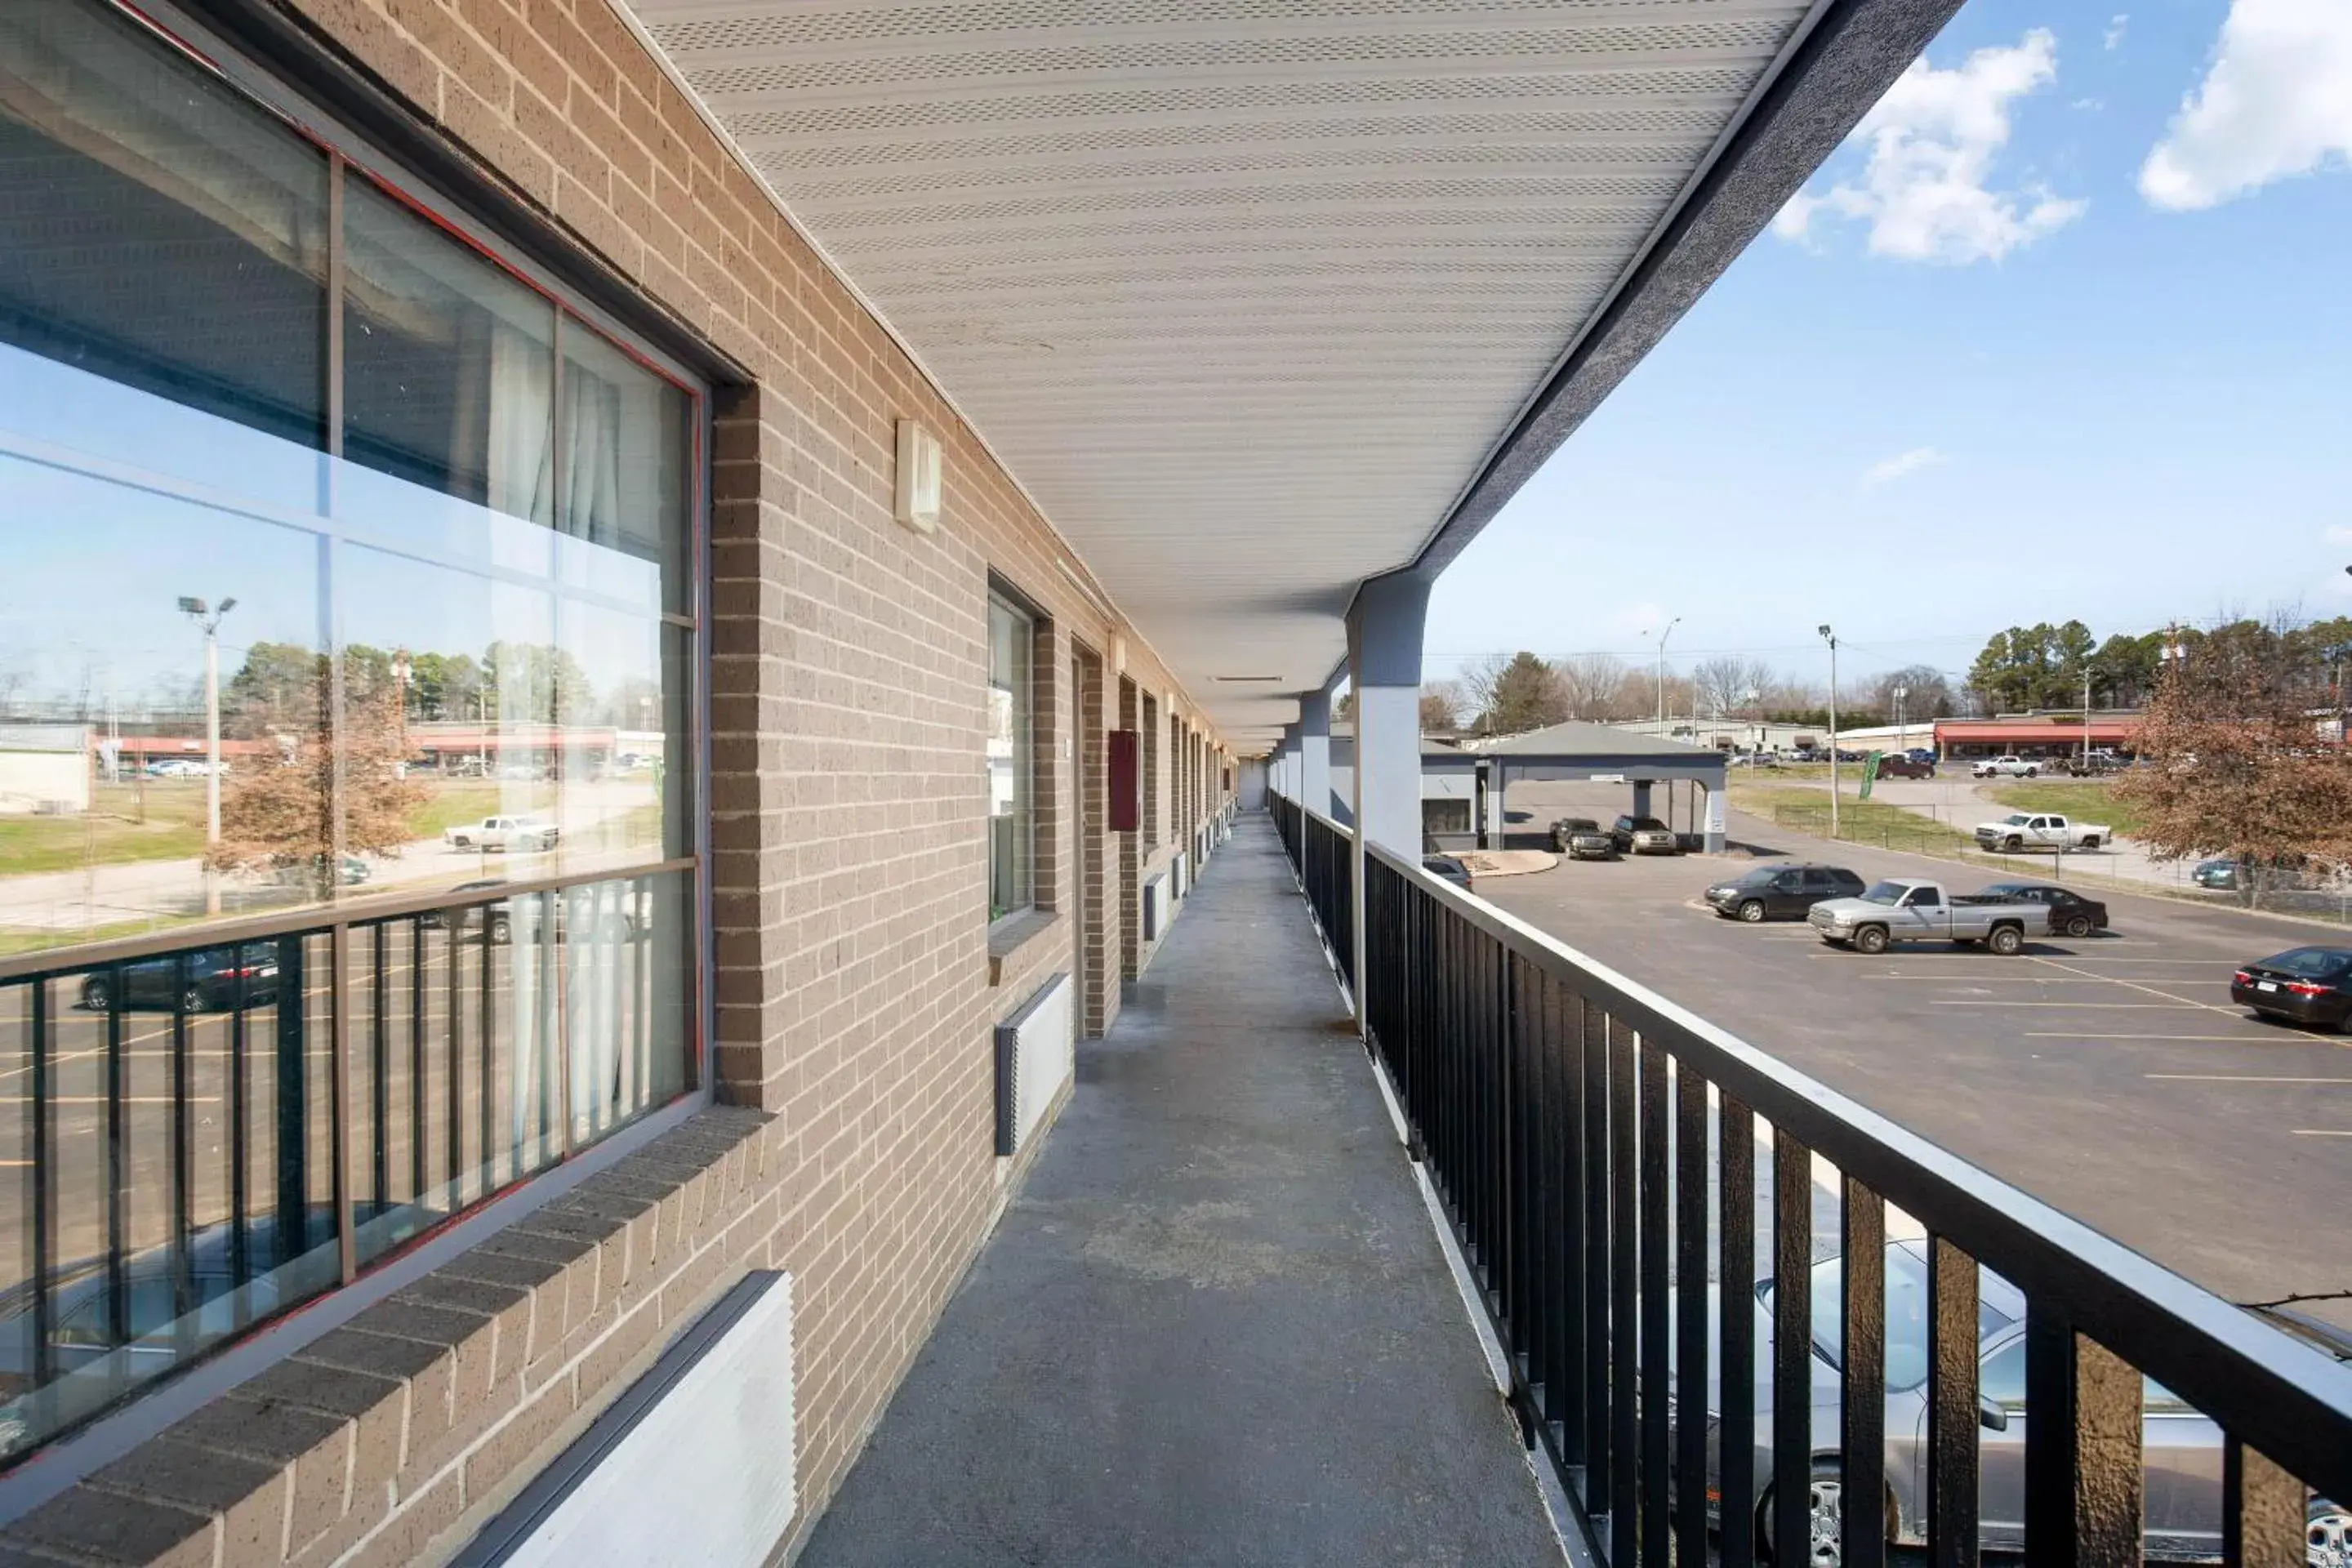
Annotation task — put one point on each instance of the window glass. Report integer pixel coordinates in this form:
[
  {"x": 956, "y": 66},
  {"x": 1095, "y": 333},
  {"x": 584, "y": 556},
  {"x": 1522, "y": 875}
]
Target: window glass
[
  {"x": 250, "y": 679},
  {"x": 162, "y": 263},
  {"x": 1010, "y": 850}
]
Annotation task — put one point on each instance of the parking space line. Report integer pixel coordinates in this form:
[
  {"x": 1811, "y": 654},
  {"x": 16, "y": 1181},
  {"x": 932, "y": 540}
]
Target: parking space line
[
  {"x": 2239, "y": 1077},
  {"x": 2323, "y": 1132},
  {"x": 2109, "y": 1006},
  {"x": 2136, "y": 985},
  {"x": 2079, "y": 1035},
  {"x": 1962, "y": 977}
]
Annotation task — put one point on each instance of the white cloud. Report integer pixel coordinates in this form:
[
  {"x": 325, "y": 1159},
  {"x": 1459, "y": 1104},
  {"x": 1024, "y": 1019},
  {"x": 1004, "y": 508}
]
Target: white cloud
[
  {"x": 2277, "y": 101},
  {"x": 1902, "y": 463},
  {"x": 1923, "y": 191},
  {"x": 2339, "y": 535},
  {"x": 2114, "y": 37},
  {"x": 2093, "y": 104}
]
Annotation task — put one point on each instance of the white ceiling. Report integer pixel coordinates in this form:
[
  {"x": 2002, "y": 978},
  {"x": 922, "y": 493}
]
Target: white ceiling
[{"x": 1243, "y": 291}]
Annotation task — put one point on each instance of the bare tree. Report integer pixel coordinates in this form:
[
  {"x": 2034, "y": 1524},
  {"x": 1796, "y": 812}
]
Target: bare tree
[
  {"x": 1442, "y": 703},
  {"x": 1594, "y": 685},
  {"x": 1730, "y": 684}
]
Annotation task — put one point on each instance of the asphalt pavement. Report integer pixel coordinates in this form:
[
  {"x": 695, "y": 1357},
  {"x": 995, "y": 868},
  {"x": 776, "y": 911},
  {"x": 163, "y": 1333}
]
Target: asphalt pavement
[{"x": 2111, "y": 1076}]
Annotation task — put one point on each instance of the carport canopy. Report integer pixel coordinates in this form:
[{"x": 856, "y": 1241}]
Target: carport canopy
[{"x": 1602, "y": 753}]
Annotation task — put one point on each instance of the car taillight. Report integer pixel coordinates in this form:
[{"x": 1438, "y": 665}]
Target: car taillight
[
  {"x": 2304, "y": 988},
  {"x": 2243, "y": 978}
]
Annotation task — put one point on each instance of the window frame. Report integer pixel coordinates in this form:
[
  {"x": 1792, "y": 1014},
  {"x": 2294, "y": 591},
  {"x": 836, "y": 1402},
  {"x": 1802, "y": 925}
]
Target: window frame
[
  {"x": 1030, "y": 622},
  {"x": 287, "y": 89}
]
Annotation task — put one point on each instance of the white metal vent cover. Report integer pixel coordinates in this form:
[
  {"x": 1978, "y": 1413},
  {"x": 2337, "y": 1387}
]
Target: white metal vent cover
[
  {"x": 1242, "y": 291},
  {"x": 1036, "y": 1057},
  {"x": 692, "y": 1467}
]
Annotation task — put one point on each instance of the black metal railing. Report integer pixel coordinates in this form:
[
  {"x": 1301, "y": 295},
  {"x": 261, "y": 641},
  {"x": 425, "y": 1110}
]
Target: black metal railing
[
  {"x": 213, "y": 1127},
  {"x": 1322, "y": 853},
  {"x": 1604, "y": 1154}
]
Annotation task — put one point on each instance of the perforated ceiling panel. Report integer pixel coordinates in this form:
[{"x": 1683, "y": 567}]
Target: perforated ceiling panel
[{"x": 1243, "y": 291}]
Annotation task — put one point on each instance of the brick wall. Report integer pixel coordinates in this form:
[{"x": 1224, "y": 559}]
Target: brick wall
[{"x": 854, "y": 992}]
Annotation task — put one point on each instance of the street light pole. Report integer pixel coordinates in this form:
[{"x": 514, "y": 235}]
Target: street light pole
[
  {"x": 1830, "y": 637},
  {"x": 208, "y": 620},
  {"x": 1662, "y": 672},
  {"x": 1902, "y": 730}
]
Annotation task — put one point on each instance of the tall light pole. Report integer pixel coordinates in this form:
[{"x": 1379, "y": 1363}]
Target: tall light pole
[
  {"x": 1902, "y": 730},
  {"x": 1830, "y": 637},
  {"x": 2086, "y": 718},
  {"x": 208, "y": 620},
  {"x": 1662, "y": 671}
]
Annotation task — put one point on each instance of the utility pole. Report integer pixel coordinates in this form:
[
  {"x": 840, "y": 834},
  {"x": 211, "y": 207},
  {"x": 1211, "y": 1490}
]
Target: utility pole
[
  {"x": 208, "y": 620},
  {"x": 1830, "y": 637},
  {"x": 2087, "y": 719},
  {"x": 1902, "y": 730},
  {"x": 1662, "y": 672}
]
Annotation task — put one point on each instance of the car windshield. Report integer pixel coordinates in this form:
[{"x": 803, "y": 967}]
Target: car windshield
[
  {"x": 2015, "y": 820},
  {"x": 1906, "y": 1315},
  {"x": 1761, "y": 878},
  {"x": 1886, "y": 892},
  {"x": 1644, "y": 822},
  {"x": 2313, "y": 963}
]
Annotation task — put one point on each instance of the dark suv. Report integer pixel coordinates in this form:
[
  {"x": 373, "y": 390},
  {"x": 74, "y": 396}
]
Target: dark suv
[
  {"x": 1781, "y": 892},
  {"x": 208, "y": 982},
  {"x": 1896, "y": 766}
]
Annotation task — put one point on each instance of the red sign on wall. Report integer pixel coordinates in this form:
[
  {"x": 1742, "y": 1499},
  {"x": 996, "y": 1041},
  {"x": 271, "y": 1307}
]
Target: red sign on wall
[{"x": 1126, "y": 780}]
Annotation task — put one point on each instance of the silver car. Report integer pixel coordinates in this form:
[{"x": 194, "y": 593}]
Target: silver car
[{"x": 2182, "y": 1448}]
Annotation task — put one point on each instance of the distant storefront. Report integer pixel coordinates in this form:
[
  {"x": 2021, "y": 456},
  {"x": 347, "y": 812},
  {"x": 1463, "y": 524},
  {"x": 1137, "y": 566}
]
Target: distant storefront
[{"x": 2058, "y": 735}]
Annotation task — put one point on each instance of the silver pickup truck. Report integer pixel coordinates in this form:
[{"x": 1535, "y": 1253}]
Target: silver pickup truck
[{"x": 1901, "y": 910}]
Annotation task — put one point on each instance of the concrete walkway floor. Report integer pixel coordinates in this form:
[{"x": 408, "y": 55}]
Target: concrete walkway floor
[{"x": 1215, "y": 1326}]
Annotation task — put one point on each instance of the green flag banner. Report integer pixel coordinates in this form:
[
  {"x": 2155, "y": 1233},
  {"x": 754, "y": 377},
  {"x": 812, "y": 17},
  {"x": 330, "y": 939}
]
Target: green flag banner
[{"x": 1869, "y": 773}]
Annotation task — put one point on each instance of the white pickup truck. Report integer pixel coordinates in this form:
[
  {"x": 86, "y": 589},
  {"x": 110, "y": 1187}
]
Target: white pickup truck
[
  {"x": 521, "y": 835},
  {"x": 2006, "y": 768},
  {"x": 1902, "y": 909},
  {"x": 2042, "y": 830}
]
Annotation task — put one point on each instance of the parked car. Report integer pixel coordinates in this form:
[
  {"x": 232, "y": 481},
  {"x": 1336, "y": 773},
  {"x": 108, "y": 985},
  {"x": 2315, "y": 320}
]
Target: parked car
[
  {"x": 2302, "y": 985},
  {"x": 1446, "y": 868},
  {"x": 1781, "y": 892},
  {"x": 1846, "y": 755},
  {"x": 207, "y": 984},
  {"x": 2181, "y": 1449},
  {"x": 521, "y": 835},
  {"x": 354, "y": 872},
  {"x": 635, "y": 913},
  {"x": 2042, "y": 830},
  {"x": 2093, "y": 764},
  {"x": 1642, "y": 836},
  {"x": 2006, "y": 768},
  {"x": 1895, "y": 765},
  {"x": 2232, "y": 875},
  {"x": 1582, "y": 839},
  {"x": 2070, "y": 914},
  {"x": 1902, "y": 909}
]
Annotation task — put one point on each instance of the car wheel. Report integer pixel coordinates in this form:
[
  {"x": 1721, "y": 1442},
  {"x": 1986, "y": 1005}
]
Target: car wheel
[
  {"x": 97, "y": 995},
  {"x": 2033, "y": 772},
  {"x": 2092, "y": 842},
  {"x": 1752, "y": 911},
  {"x": 2078, "y": 926},
  {"x": 2327, "y": 1535},
  {"x": 1825, "y": 1527},
  {"x": 2006, "y": 941},
  {"x": 499, "y": 931},
  {"x": 461, "y": 843},
  {"x": 1870, "y": 940},
  {"x": 2012, "y": 844},
  {"x": 192, "y": 999}
]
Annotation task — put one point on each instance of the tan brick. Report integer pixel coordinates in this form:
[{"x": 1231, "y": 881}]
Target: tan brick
[{"x": 107, "y": 1526}]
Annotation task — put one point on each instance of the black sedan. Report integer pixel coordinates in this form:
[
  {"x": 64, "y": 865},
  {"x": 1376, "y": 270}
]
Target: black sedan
[
  {"x": 2070, "y": 914},
  {"x": 1446, "y": 868},
  {"x": 2302, "y": 985},
  {"x": 1781, "y": 892},
  {"x": 213, "y": 979}
]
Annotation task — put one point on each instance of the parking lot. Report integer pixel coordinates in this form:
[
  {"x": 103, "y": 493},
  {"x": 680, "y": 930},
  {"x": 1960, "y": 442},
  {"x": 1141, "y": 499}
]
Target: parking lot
[{"x": 2111, "y": 1076}]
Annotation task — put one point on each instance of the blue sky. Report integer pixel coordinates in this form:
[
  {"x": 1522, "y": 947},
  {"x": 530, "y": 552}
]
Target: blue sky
[{"x": 2045, "y": 339}]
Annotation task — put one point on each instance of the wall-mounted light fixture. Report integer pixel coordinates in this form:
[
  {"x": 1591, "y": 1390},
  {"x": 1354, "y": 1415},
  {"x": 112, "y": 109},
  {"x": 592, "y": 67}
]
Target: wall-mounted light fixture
[{"x": 919, "y": 476}]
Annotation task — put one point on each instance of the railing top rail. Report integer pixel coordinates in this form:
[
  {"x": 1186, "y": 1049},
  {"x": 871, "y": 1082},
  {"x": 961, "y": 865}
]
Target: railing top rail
[
  {"x": 362, "y": 910},
  {"x": 1332, "y": 823},
  {"x": 2287, "y": 1399}
]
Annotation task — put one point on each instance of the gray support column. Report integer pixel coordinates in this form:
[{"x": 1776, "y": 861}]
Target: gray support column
[
  {"x": 1286, "y": 764},
  {"x": 1314, "y": 750},
  {"x": 1641, "y": 797},
  {"x": 1384, "y": 634},
  {"x": 1714, "y": 804}
]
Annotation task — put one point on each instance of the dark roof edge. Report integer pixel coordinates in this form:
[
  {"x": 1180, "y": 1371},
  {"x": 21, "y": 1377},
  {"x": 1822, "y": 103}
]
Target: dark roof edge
[{"x": 1854, "y": 53}]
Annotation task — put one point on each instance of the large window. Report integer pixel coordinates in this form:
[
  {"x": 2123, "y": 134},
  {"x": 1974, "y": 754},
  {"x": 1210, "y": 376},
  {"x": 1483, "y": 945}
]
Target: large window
[
  {"x": 1012, "y": 832},
  {"x": 350, "y": 597}
]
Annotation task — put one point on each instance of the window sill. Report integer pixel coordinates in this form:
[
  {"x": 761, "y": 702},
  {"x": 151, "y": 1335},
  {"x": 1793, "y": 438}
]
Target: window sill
[{"x": 1011, "y": 939}]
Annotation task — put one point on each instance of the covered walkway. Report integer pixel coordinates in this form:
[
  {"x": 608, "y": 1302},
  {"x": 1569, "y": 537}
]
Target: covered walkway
[{"x": 1215, "y": 1326}]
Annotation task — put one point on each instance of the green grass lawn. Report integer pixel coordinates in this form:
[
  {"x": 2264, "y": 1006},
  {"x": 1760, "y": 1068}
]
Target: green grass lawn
[
  {"x": 2088, "y": 801},
  {"x": 113, "y": 833},
  {"x": 1858, "y": 821}
]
